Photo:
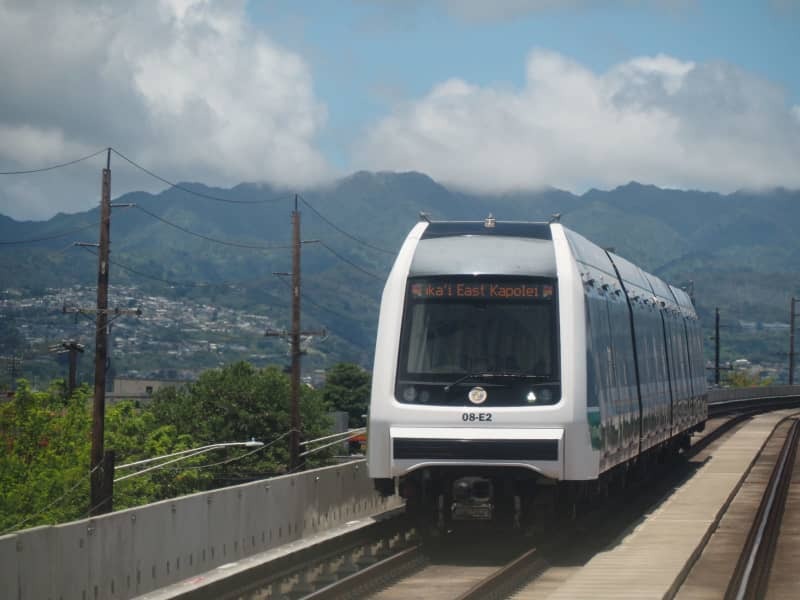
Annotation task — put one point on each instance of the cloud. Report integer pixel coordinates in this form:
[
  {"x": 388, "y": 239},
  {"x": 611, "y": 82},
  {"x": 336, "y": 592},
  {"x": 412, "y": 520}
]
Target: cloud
[
  {"x": 187, "y": 87},
  {"x": 653, "y": 119}
]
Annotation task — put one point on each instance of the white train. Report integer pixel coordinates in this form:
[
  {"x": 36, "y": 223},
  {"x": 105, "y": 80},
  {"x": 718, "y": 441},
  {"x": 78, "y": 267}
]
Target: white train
[{"x": 512, "y": 357}]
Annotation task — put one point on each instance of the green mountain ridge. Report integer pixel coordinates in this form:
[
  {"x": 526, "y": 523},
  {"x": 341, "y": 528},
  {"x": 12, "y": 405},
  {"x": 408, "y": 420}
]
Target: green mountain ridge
[{"x": 740, "y": 250}]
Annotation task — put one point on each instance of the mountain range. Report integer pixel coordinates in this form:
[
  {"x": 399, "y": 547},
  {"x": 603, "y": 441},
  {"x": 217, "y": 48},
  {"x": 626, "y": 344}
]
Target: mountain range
[{"x": 738, "y": 252}]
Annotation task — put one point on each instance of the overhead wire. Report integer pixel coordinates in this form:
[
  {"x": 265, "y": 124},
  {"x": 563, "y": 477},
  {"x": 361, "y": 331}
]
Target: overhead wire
[
  {"x": 46, "y": 238},
  {"x": 306, "y": 298},
  {"x": 285, "y": 196},
  {"x": 59, "y": 499},
  {"x": 349, "y": 262},
  {"x": 210, "y": 239},
  {"x": 125, "y": 267},
  {"x": 192, "y": 284},
  {"x": 342, "y": 231},
  {"x": 52, "y": 167}
]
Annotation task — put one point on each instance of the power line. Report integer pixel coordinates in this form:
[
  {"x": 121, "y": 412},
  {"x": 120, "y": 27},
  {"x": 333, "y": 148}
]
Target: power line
[
  {"x": 349, "y": 262},
  {"x": 192, "y": 284},
  {"x": 285, "y": 196},
  {"x": 58, "y": 166},
  {"x": 342, "y": 231},
  {"x": 210, "y": 239},
  {"x": 59, "y": 499},
  {"x": 44, "y": 239},
  {"x": 330, "y": 310},
  {"x": 125, "y": 267},
  {"x": 306, "y": 298}
]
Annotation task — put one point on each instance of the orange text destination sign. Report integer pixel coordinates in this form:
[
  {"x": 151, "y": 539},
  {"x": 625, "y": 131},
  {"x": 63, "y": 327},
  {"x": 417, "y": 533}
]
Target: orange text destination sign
[{"x": 483, "y": 290}]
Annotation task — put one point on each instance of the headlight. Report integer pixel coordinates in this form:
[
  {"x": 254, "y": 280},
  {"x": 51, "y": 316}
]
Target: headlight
[
  {"x": 410, "y": 394},
  {"x": 546, "y": 396}
]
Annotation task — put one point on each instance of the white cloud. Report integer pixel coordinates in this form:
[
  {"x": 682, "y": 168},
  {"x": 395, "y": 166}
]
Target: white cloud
[
  {"x": 187, "y": 87},
  {"x": 652, "y": 119}
]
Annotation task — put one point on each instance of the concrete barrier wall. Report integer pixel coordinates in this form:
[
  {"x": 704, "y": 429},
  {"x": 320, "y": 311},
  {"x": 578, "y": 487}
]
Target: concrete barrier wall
[{"x": 134, "y": 551}]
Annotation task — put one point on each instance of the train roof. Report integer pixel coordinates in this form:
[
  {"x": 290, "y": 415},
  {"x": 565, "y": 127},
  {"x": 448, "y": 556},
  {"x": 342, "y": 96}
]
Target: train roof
[
  {"x": 522, "y": 229},
  {"x": 472, "y": 251}
]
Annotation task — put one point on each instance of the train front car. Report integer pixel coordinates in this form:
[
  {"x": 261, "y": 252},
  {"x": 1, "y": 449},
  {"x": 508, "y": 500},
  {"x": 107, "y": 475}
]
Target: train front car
[{"x": 478, "y": 400}]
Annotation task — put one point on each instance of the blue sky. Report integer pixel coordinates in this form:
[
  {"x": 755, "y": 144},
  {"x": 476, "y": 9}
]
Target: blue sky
[
  {"x": 484, "y": 96},
  {"x": 368, "y": 55}
]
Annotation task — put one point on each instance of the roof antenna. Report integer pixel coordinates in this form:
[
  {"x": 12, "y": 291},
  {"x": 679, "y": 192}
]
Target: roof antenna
[
  {"x": 423, "y": 216},
  {"x": 489, "y": 222},
  {"x": 555, "y": 218}
]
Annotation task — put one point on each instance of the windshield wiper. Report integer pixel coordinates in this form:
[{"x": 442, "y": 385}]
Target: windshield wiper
[{"x": 496, "y": 375}]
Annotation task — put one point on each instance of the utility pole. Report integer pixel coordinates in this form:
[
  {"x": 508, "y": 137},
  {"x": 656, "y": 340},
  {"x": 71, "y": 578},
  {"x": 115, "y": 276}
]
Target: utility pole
[
  {"x": 72, "y": 382},
  {"x": 73, "y": 348},
  {"x": 792, "y": 316},
  {"x": 14, "y": 370},
  {"x": 97, "y": 498},
  {"x": 102, "y": 463},
  {"x": 717, "y": 368},
  {"x": 294, "y": 337},
  {"x": 294, "y": 450},
  {"x": 716, "y": 347}
]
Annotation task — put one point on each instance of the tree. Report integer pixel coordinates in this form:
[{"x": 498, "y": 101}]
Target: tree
[
  {"x": 347, "y": 388},
  {"x": 45, "y": 441},
  {"x": 44, "y": 457},
  {"x": 135, "y": 434},
  {"x": 236, "y": 403},
  {"x": 743, "y": 378}
]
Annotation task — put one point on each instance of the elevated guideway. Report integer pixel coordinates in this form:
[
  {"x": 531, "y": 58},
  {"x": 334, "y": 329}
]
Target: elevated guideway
[{"x": 135, "y": 551}]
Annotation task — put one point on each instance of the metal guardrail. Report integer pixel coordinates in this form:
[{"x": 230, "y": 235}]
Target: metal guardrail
[{"x": 767, "y": 397}]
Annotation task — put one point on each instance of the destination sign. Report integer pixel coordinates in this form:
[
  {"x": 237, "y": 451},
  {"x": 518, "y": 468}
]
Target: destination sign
[{"x": 481, "y": 290}]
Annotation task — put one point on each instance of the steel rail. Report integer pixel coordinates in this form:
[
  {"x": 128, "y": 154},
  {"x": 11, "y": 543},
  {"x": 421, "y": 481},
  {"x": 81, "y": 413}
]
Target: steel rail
[
  {"x": 382, "y": 570},
  {"x": 507, "y": 577},
  {"x": 752, "y": 571}
]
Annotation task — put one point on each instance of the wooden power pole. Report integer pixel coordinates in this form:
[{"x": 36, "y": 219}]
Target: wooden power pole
[
  {"x": 72, "y": 348},
  {"x": 716, "y": 347},
  {"x": 294, "y": 337},
  {"x": 294, "y": 436},
  {"x": 791, "y": 340},
  {"x": 98, "y": 498},
  {"x": 102, "y": 463}
]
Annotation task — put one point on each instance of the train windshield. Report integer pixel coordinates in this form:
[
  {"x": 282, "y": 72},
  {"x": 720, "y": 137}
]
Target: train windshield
[{"x": 467, "y": 331}]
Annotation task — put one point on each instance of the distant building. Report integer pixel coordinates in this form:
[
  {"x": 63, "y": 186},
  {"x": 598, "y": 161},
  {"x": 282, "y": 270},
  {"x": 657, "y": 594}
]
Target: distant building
[
  {"x": 130, "y": 388},
  {"x": 318, "y": 378}
]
